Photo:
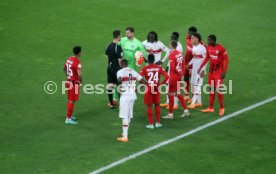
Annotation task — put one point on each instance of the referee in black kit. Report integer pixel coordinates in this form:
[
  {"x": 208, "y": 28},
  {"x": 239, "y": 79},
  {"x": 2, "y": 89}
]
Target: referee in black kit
[{"x": 114, "y": 54}]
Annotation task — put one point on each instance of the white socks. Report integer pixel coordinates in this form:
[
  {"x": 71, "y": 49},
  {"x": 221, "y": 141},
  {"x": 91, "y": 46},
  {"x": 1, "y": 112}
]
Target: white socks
[{"x": 125, "y": 127}]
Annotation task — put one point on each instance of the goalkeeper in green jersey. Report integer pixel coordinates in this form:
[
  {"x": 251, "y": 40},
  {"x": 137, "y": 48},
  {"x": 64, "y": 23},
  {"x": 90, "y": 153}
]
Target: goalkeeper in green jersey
[{"x": 130, "y": 45}]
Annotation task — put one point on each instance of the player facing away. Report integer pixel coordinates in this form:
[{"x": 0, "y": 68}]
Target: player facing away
[
  {"x": 72, "y": 69},
  {"x": 199, "y": 54},
  {"x": 188, "y": 58},
  {"x": 155, "y": 47},
  {"x": 176, "y": 72},
  {"x": 218, "y": 66},
  {"x": 127, "y": 78},
  {"x": 114, "y": 54},
  {"x": 174, "y": 37},
  {"x": 130, "y": 45},
  {"x": 152, "y": 73}
]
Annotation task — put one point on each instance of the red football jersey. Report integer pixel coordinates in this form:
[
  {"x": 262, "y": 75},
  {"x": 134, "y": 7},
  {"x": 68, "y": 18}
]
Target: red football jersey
[
  {"x": 189, "y": 49},
  {"x": 177, "y": 66},
  {"x": 217, "y": 55},
  {"x": 72, "y": 66},
  {"x": 152, "y": 74}
]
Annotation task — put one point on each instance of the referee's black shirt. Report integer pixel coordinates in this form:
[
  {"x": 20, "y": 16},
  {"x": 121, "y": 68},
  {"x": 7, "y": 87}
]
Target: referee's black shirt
[{"x": 114, "y": 52}]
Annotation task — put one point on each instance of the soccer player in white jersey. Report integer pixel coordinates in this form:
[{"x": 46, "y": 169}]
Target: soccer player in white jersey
[
  {"x": 174, "y": 37},
  {"x": 127, "y": 78},
  {"x": 199, "y": 54},
  {"x": 155, "y": 47}
]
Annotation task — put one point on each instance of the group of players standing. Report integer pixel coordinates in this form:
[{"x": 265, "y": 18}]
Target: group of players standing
[{"x": 190, "y": 68}]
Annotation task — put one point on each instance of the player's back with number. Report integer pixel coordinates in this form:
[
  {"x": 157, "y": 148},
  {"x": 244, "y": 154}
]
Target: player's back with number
[
  {"x": 176, "y": 64},
  {"x": 128, "y": 78},
  {"x": 152, "y": 73},
  {"x": 72, "y": 66}
]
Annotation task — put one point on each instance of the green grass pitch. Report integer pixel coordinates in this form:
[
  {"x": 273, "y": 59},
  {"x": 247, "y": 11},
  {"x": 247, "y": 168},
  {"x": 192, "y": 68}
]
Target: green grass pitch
[{"x": 38, "y": 36}]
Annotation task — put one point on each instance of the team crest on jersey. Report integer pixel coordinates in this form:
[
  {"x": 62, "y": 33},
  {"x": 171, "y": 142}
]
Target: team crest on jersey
[{"x": 217, "y": 51}]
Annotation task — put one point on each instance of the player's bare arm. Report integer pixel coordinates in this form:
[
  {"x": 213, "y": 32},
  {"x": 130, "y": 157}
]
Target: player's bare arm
[
  {"x": 80, "y": 75},
  {"x": 120, "y": 61},
  {"x": 143, "y": 81},
  {"x": 65, "y": 70}
]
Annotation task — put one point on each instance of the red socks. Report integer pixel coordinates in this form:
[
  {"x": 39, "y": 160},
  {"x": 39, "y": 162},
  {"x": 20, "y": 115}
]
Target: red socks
[
  {"x": 70, "y": 109},
  {"x": 220, "y": 97},
  {"x": 157, "y": 113},
  {"x": 181, "y": 100},
  {"x": 149, "y": 113},
  {"x": 171, "y": 103},
  {"x": 212, "y": 99}
]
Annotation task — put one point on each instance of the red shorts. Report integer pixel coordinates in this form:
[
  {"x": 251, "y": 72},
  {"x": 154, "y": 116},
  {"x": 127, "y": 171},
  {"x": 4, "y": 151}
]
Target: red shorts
[
  {"x": 173, "y": 84},
  {"x": 73, "y": 93},
  {"x": 215, "y": 80},
  {"x": 150, "y": 98}
]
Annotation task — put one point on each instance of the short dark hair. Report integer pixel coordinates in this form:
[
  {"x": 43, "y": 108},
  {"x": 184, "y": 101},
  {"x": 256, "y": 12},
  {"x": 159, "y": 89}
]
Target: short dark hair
[
  {"x": 151, "y": 58},
  {"x": 213, "y": 37},
  {"x": 77, "y": 50},
  {"x": 175, "y": 35},
  {"x": 155, "y": 35},
  {"x": 116, "y": 33},
  {"x": 124, "y": 63},
  {"x": 131, "y": 29},
  {"x": 174, "y": 44},
  {"x": 197, "y": 35},
  {"x": 192, "y": 29}
]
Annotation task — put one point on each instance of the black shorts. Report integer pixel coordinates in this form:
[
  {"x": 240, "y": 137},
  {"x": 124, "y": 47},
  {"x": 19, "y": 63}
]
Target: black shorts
[{"x": 112, "y": 76}]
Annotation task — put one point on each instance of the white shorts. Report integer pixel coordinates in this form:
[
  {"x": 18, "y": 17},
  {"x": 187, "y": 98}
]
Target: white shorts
[
  {"x": 126, "y": 109},
  {"x": 196, "y": 79}
]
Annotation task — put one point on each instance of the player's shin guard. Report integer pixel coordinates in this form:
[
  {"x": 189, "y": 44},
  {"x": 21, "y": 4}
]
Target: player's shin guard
[
  {"x": 70, "y": 109},
  {"x": 125, "y": 127},
  {"x": 149, "y": 113},
  {"x": 181, "y": 100},
  {"x": 171, "y": 103},
  {"x": 220, "y": 97},
  {"x": 157, "y": 113}
]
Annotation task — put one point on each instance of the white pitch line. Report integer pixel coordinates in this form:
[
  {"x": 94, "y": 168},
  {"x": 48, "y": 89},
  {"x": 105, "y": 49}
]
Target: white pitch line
[{"x": 142, "y": 152}]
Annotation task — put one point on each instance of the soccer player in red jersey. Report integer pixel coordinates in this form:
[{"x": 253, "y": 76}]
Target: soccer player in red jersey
[
  {"x": 152, "y": 73},
  {"x": 188, "y": 58},
  {"x": 176, "y": 72},
  {"x": 72, "y": 69},
  {"x": 218, "y": 66}
]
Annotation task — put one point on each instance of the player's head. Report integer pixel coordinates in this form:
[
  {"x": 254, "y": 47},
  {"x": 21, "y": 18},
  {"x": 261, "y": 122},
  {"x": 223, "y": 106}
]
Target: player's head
[
  {"x": 129, "y": 32},
  {"x": 195, "y": 38},
  {"x": 212, "y": 39},
  {"x": 77, "y": 51},
  {"x": 175, "y": 36},
  {"x": 152, "y": 37},
  {"x": 124, "y": 63},
  {"x": 192, "y": 30},
  {"x": 151, "y": 59},
  {"x": 173, "y": 44},
  {"x": 116, "y": 34}
]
